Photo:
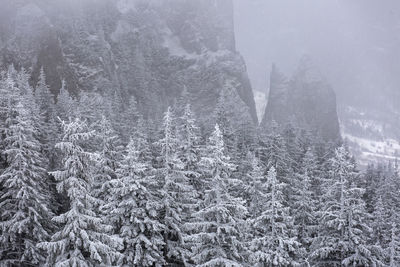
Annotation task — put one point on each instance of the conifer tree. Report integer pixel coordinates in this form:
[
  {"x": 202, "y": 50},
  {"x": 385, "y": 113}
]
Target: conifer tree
[
  {"x": 393, "y": 250},
  {"x": 273, "y": 244},
  {"x": 24, "y": 208},
  {"x": 45, "y": 102},
  {"x": 216, "y": 238},
  {"x": 343, "y": 230},
  {"x": 189, "y": 149},
  {"x": 175, "y": 192},
  {"x": 109, "y": 153},
  {"x": 66, "y": 106},
  {"x": 83, "y": 239},
  {"x": 135, "y": 210}
]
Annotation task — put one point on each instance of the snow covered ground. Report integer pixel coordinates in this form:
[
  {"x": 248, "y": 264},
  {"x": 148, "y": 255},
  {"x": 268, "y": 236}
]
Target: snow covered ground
[{"x": 370, "y": 139}]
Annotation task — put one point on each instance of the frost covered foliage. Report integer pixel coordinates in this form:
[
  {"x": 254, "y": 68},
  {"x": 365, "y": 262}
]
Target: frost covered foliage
[
  {"x": 83, "y": 238},
  {"x": 89, "y": 181},
  {"x": 217, "y": 239},
  {"x": 24, "y": 208},
  {"x": 134, "y": 211}
]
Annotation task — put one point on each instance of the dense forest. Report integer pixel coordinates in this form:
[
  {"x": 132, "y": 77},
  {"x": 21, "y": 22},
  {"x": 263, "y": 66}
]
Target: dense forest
[{"x": 87, "y": 180}]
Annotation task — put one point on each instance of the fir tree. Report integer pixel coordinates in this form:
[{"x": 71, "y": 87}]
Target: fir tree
[
  {"x": 273, "y": 244},
  {"x": 45, "y": 102},
  {"x": 135, "y": 211},
  {"x": 23, "y": 201},
  {"x": 343, "y": 230},
  {"x": 216, "y": 237},
  {"x": 393, "y": 250},
  {"x": 66, "y": 106},
  {"x": 189, "y": 150},
  {"x": 83, "y": 239},
  {"x": 175, "y": 192}
]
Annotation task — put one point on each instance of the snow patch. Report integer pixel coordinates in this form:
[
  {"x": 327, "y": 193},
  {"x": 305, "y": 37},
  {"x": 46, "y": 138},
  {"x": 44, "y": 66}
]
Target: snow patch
[
  {"x": 261, "y": 103},
  {"x": 174, "y": 45},
  {"x": 370, "y": 151}
]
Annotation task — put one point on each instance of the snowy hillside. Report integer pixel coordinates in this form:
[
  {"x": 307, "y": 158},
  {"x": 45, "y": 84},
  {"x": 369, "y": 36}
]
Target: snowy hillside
[{"x": 370, "y": 134}]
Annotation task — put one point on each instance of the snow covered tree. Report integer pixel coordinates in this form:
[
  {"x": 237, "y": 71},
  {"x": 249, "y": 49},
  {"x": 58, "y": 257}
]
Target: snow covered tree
[
  {"x": 66, "y": 106},
  {"x": 255, "y": 188},
  {"x": 131, "y": 117},
  {"x": 303, "y": 212},
  {"x": 45, "y": 101},
  {"x": 380, "y": 223},
  {"x": 343, "y": 231},
  {"x": 135, "y": 210},
  {"x": 83, "y": 239},
  {"x": 176, "y": 192},
  {"x": 273, "y": 153},
  {"x": 44, "y": 97},
  {"x": 393, "y": 250},
  {"x": 189, "y": 149},
  {"x": 109, "y": 153},
  {"x": 216, "y": 237},
  {"x": 23, "y": 201},
  {"x": 273, "y": 243},
  {"x": 232, "y": 116},
  {"x": 90, "y": 107}
]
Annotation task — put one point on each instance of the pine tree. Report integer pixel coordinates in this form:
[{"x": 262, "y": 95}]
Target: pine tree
[
  {"x": 23, "y": 201},
  {"x": 216, "y": 237},
  {"x": 273, "y": 244},
  {"x": 83, "y": 239},
  {"x": 135, "y": 210}
]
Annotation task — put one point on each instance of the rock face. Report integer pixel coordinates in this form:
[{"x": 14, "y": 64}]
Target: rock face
[
  {"x": 151, "y": 49},
  {"x": 306, "y": 100}
]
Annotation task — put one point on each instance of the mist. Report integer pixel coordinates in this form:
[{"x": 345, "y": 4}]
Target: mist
[
  {"x": 355, "y": 44},
  {"x": 221, "y": 133}
]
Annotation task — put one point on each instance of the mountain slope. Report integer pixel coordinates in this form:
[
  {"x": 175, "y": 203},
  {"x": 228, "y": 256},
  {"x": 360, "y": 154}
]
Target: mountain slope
[{"x": 150, "y": 49}]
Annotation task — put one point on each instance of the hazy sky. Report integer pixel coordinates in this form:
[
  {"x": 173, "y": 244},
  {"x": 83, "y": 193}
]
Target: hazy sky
[{"x": 356, "y": 43}]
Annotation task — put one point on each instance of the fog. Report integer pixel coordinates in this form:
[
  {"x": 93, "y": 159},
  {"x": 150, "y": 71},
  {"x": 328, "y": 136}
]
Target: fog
[{"x": 355, "y": 44}]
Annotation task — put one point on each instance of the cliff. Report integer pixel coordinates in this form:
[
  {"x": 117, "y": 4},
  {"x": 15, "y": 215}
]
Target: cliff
[
  {"x": 306, "y": 99},
  {"x": 151, "y": 49}
]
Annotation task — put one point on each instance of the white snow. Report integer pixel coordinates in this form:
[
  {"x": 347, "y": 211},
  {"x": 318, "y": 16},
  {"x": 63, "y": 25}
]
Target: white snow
[
  {"x": 174, "y": 45},
  {"x": 261, "y": 103},
  {"x": 369, "y": 151}
]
